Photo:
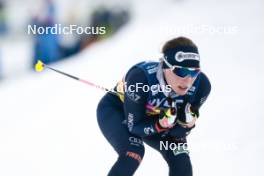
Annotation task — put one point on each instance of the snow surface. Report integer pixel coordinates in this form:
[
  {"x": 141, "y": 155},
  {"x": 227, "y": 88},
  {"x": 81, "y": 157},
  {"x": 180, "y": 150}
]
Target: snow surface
[{"x": 48, "y": 122}]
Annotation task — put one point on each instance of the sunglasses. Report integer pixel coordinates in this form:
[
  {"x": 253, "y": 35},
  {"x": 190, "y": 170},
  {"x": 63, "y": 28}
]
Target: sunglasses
[{"x": 183, "y": 71}]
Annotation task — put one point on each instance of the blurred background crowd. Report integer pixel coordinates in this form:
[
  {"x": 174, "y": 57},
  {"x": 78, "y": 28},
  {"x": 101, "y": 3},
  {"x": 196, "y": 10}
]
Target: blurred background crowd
[{"x": 20, "y": 50}]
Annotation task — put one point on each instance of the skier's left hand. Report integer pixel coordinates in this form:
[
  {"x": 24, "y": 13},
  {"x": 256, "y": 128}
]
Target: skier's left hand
[{"x": 190, "y": 117}]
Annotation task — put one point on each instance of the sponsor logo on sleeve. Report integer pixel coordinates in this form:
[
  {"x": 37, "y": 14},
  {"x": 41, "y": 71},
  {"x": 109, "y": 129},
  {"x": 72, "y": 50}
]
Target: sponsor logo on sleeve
[
  {"x": 148, "y": 130},
  {"x": 133, "y": 96},
  {"x": 130, "y": 121}
]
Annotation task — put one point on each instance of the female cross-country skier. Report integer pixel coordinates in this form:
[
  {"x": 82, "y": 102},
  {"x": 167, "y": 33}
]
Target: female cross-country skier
[{"x": 157, "y": 103}]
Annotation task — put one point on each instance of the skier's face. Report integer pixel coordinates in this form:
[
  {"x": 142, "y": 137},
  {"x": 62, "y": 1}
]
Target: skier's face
[{"x": 178, "y": 84}]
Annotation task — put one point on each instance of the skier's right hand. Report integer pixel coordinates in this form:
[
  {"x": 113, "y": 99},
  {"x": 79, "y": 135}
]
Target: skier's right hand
[{"x": 167, "y": 118}]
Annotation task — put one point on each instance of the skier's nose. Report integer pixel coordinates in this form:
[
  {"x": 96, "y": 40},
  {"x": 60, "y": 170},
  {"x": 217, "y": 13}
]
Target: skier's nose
[{"x": 187, "y": 78}]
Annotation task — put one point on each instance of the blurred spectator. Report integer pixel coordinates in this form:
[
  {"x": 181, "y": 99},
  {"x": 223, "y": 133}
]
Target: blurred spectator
[
  {"x": 1, "y": 65},
  {"x": 46, "y": 45},
  {"x": 109, "y": 18},
  {"x": 70, "y": 44},
  {"x": 3, "y": 26},
  {"x": 101, "y": 17}
]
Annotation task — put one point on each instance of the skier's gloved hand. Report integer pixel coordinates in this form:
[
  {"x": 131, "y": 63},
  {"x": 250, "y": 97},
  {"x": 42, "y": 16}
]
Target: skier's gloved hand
[
  {"x": 167, "y": 118},
  {"x": 189, "y": 117}
]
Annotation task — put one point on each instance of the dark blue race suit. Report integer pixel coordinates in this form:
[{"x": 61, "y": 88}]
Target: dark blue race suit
[{"x": 127, "y": 123}]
